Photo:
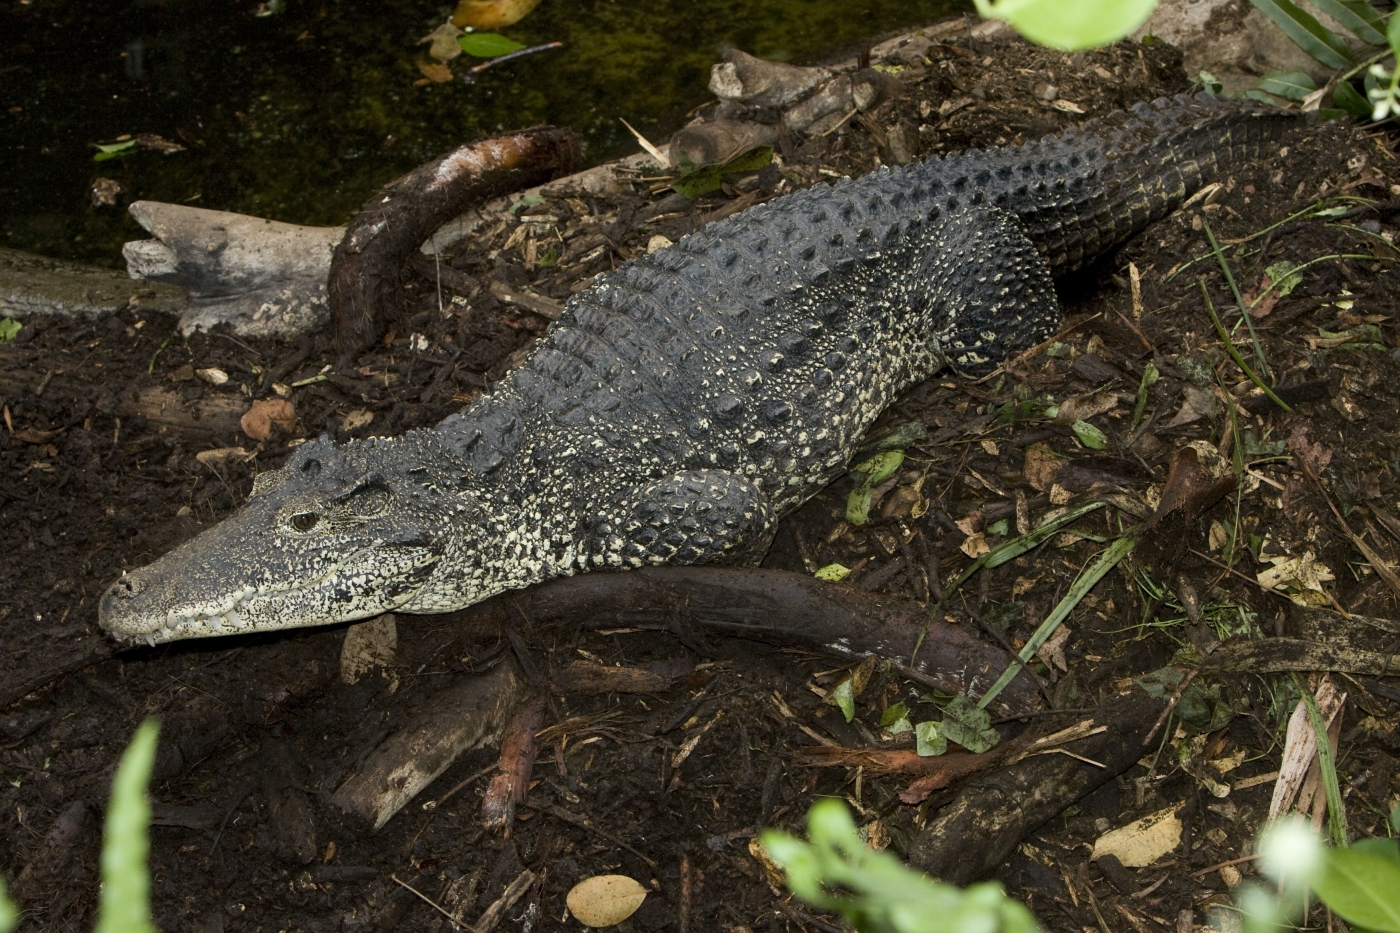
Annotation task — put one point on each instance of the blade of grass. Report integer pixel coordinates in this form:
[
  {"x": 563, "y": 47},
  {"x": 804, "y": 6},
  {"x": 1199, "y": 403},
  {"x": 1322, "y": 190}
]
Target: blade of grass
[
  {"x": 1235, "y": 353},
  {"x": 1327, "y": 766},
  {"x": 1239, "y": 300},
  {"x": 1358, "y": 16},
  {"x": 1107, "y": 559},
  {"x": 1002, "y": 553},
  {"x": 1306, "y": 32},
  {"x": 124, "y": 902}
]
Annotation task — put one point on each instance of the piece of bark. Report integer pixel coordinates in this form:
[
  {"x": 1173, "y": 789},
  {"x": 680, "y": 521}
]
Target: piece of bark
[
  {"x": 460, "y": 718},
  {"x": 748, "y": 80},
  {"x": 585, "y": 677},
  {"x": 975, "y": 833},
  {"x": 718, "y": 142},
  {"x": 367, "y": 268},
  {"x": 31, "y": 284},
  {"x": 507, "y": 789},
  {"x": 264, "y": 277},
  {"x": 773, "y": 606}
]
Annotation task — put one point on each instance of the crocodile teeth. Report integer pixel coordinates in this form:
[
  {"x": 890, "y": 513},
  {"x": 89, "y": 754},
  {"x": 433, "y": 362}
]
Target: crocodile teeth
[
  {"x": 233, "y": 617},
  {"x": 151, "y": 640}
]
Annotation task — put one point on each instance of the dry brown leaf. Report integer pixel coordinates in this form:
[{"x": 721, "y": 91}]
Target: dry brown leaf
[
  {"x": 1052, "y": 653},
  {"x": 1084, "y": 407},
  {"x": 355, "y": 419},
  {"x": 605, "y": 900},
  {"x": 35, "y": 436},
  {"x": 257, "y": 422},
  {"x": 975, "y": 546},
  {"x": 219, "y": 456},
  {"x": 1300, "y": 746},
  {"x": 1312, "y": 457},
  {"x": 435, "y": 72},
  {"x": 1143, "y": 841},
  {"x": 368, "y": 646},
  {"x": 1041, "y": 466}
]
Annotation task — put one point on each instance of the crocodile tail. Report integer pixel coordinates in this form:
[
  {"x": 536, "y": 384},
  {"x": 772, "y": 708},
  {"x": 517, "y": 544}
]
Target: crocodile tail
[{"x": 1084, "y": 192}]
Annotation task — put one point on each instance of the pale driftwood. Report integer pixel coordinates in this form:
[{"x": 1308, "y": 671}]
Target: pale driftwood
[
  {"x": 718, "y": 142},
  {"x": 263, "y": 277},
  {"x": 744, "y": 79},
  {"x": 458, "y": 719},
  {"x": 32, "y": 284}
]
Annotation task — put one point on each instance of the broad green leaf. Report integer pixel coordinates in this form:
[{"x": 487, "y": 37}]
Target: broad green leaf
[
  {"x": 1083, "y": 24},
  {"x": 844, "y": 698},
  {"x": 533, "y": 199},
  {"x": 107, "y": 151},
  {"x": 9, "y": 328},
  {"x": 1386, "y": 848},
  {"x": 1306, "y": 32},
  {"x": 124, "y": 902},
  {"x": 969, "y": 726},
  {"x": 1089, "y": 435},
  {"x": 1360, "y": 887},
  {"x": 877, "y": 469},
  {"x": 929, "y": 740},
  {"x": 1347, "y": 97},
  {"x": 1284, "y": 276},
  {"x": 488, "y": 44},
  {"x": 1392, "y": 34},
  {"x": 707, "y": 178},
  {"x": 1358, "y": 16},
  {"x": 832, "y": 573},
  {"x": 1294, "y": 85},
  {"x": 9, "y": 913},
  {"x": 893, "y": 714}
]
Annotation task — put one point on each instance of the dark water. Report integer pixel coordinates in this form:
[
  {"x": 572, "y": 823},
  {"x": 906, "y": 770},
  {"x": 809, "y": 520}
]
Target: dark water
[{"x": 299, "y": 116}]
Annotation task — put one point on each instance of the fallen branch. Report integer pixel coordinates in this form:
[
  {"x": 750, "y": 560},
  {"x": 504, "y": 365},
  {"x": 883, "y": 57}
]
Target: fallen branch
[
  {"x": 367, "y": 269},
  {"x": 772, "y": 606}
]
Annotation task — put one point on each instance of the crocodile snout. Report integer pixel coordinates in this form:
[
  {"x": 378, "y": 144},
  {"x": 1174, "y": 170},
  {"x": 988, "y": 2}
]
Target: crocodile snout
[{"x": 132, "y": 606}]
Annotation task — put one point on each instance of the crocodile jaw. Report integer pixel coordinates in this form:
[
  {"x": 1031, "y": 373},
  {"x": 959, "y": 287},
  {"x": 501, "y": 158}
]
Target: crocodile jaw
[{"x": 170, "y": 600}]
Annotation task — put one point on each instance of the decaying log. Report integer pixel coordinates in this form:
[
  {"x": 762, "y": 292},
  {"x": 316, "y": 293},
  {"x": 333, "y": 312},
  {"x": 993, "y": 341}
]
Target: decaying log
[
  {"x": 32, "y": 284},
  {"x": 265, "y": 277},
  {"x": 367, "y": 268},
  {"x": 460, "y": 718},
  {"x": 975, "y": 833},
  {"x": 507, "y": 789},
  {"x": 772, "y": 606}
]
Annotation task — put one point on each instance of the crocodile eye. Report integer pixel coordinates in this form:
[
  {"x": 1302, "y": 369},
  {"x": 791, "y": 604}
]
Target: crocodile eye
[{"x": 305, "y": 521}]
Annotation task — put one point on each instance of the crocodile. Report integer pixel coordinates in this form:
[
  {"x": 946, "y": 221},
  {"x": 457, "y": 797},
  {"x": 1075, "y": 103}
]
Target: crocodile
[{"x": 689, "y": 399}]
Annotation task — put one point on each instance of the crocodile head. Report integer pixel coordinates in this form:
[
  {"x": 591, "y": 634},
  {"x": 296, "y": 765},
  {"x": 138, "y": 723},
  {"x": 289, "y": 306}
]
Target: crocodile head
[{"x": 338, "y": 533}]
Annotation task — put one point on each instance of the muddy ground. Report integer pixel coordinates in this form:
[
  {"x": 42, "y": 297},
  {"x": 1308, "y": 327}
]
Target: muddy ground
[{"x": 106, "y": 464}]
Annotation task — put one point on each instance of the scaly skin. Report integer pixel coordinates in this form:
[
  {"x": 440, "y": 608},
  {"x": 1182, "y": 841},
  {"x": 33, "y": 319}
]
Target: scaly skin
[{"x": 686, "y": 402}]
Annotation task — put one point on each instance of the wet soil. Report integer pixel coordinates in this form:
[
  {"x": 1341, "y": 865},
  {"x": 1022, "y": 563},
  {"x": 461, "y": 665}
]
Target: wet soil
[{"x": 114, "y": 448}]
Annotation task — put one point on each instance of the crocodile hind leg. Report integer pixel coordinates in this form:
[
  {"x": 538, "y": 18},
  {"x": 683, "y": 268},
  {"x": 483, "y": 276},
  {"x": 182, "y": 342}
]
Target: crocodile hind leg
[
  {"x": 992, "y": 293},
  {"x": 695, "y": 517}
]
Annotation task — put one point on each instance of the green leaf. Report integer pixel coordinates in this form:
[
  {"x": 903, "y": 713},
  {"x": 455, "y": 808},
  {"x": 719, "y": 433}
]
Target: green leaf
[
  {"x": 124, "y": 902},
  {"x": 877, "y": 469},
  {"x": 1358, "y": 16},
  {"x": 1083, "y": 24},
  {"x": 1392, "y": 34},
  {"x": 1347, "y": 97},
  {"x": 703, "y": 180},
  {"x": 1089, "y": 435},
  {"x": 844, "y": 698},
  {"x": 893, "y": 714},
  {"x": 1361, "y": 888},
  {"x": 9, "y": 328},
  {"x": 533, "y": 199},
  {"x": 9, "y": 913},
  {"x": 969, "y": 726},
  {"x": 1386, "y": 848},
  {"x": 1294, "y": 85},
  {"x": 488, "y": 44},
  {"x": 929, "y": 740},
  {"x": 1284, "y": 276},
  {"x": 832, "y": 573},
  {"x": 1306, "y": 32},
  {"x": 107, "y": 151}
]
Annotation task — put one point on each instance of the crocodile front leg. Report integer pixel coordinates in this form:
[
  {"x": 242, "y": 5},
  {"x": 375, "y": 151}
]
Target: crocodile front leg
[{"x": 694, "y": 517}]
